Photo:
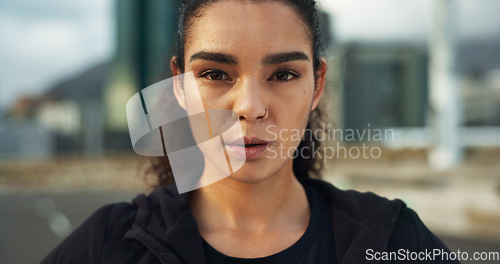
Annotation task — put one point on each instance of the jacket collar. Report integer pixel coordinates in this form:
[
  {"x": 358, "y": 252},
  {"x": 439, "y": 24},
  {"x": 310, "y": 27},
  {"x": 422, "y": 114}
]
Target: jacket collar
[
  {"x": 164, "y": 223},
  {"x": 361, "y": 221}
]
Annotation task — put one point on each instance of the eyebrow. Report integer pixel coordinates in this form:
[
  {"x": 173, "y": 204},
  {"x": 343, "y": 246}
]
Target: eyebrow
[
  {"x": 285, "y": 57},
  {"x": 214, "y": 56},
  {"x": 269, "y": 60}
]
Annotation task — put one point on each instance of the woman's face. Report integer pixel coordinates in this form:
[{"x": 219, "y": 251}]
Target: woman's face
[{"x": 247, "y": 57}]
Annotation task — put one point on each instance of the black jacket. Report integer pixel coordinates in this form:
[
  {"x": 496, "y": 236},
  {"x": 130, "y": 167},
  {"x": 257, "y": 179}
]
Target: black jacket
[{"x": 160, "y": 228}]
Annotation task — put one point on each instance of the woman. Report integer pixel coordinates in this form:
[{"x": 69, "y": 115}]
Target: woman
[{"x": 261, "y": 60}]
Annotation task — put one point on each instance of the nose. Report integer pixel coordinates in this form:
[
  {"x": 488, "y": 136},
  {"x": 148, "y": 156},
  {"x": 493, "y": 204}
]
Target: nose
[{"x": 250, "y": 101}]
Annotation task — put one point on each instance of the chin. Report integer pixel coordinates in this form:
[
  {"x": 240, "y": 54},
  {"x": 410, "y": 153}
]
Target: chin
[
  {"x": 257, "y": 172},
  {"x": 249, "y": 177}
]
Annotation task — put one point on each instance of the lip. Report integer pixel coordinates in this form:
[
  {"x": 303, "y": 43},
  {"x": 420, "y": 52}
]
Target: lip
[
  {"x": 246, "y": 141},
  {"x": 249, "y": 152}
]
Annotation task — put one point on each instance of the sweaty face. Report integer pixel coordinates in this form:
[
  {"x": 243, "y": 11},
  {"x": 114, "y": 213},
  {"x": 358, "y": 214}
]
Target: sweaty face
[{"x": 249, "y": 57}]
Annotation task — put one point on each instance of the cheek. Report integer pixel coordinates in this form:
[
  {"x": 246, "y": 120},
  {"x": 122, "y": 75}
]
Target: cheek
[
  {"x": 293, "y": 114},
  {"x": 296, "y": 104},
  {"x": 193, "y": 95},
  {"x": 214, "y": 97}
]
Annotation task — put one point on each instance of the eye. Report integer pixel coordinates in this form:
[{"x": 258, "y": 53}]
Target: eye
[
  {"x": 214, "y": 75},
  {"x": 283, "y": 76}
]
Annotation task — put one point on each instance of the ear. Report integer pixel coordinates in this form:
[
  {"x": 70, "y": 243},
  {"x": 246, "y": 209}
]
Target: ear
[
  {"x": 319, "y": 83},
  {"x": 178, "y": 82}
]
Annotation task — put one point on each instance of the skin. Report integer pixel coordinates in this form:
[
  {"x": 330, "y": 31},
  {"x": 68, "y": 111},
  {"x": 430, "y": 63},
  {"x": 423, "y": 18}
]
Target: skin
[{"x": 261, "y": 209}]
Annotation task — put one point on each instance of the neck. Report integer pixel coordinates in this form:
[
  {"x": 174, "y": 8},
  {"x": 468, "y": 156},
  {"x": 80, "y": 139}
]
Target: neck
[{"x": 236, "y": 205}]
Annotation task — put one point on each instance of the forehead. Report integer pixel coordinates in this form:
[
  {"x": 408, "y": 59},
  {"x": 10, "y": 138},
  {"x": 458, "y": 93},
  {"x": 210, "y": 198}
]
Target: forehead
[{"x": 251, "y": 27}]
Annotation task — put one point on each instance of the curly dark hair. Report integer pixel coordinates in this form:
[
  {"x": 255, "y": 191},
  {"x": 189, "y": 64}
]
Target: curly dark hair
[{"x": 158, "y": 171}]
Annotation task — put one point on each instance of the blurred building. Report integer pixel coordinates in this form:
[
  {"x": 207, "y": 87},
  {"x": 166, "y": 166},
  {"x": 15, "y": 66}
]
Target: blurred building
[
  {"x": 386, "y": 86},
  {"x": 68, "y": 118},
  {"x": 480, "y": 64},
  {"x": 73, "y": 110},
  {"x": 145, "y": 36},
  {"x": 21, "y": 136},
  {"x": 25, "y": 140},
  {"x": 86, "y": 113}
]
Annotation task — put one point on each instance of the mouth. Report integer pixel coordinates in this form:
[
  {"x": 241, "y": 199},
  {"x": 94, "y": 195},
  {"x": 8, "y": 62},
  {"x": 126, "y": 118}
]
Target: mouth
[
  {"x": 252, "y": 145},
  {"x": 248, "y": 142},
  {"x": 250, "y": 150},
  {"x": 251, "y": 142}
]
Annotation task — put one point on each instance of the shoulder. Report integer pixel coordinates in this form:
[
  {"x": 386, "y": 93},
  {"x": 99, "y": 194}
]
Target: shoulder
[
  {"x": 360, "y": 215},
  {"x": 85, "y": 244},
  {"x": 411, "y": 239},
  {"x": 380, "y": 224},
  {"x": 412, "y": 234},
  {"x": 364, "y": 207}
]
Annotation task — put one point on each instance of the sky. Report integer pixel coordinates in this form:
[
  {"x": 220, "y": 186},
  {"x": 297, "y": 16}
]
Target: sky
[
  {"x": 45, "y": 41},
  {"x": 409, "y": 20}
]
